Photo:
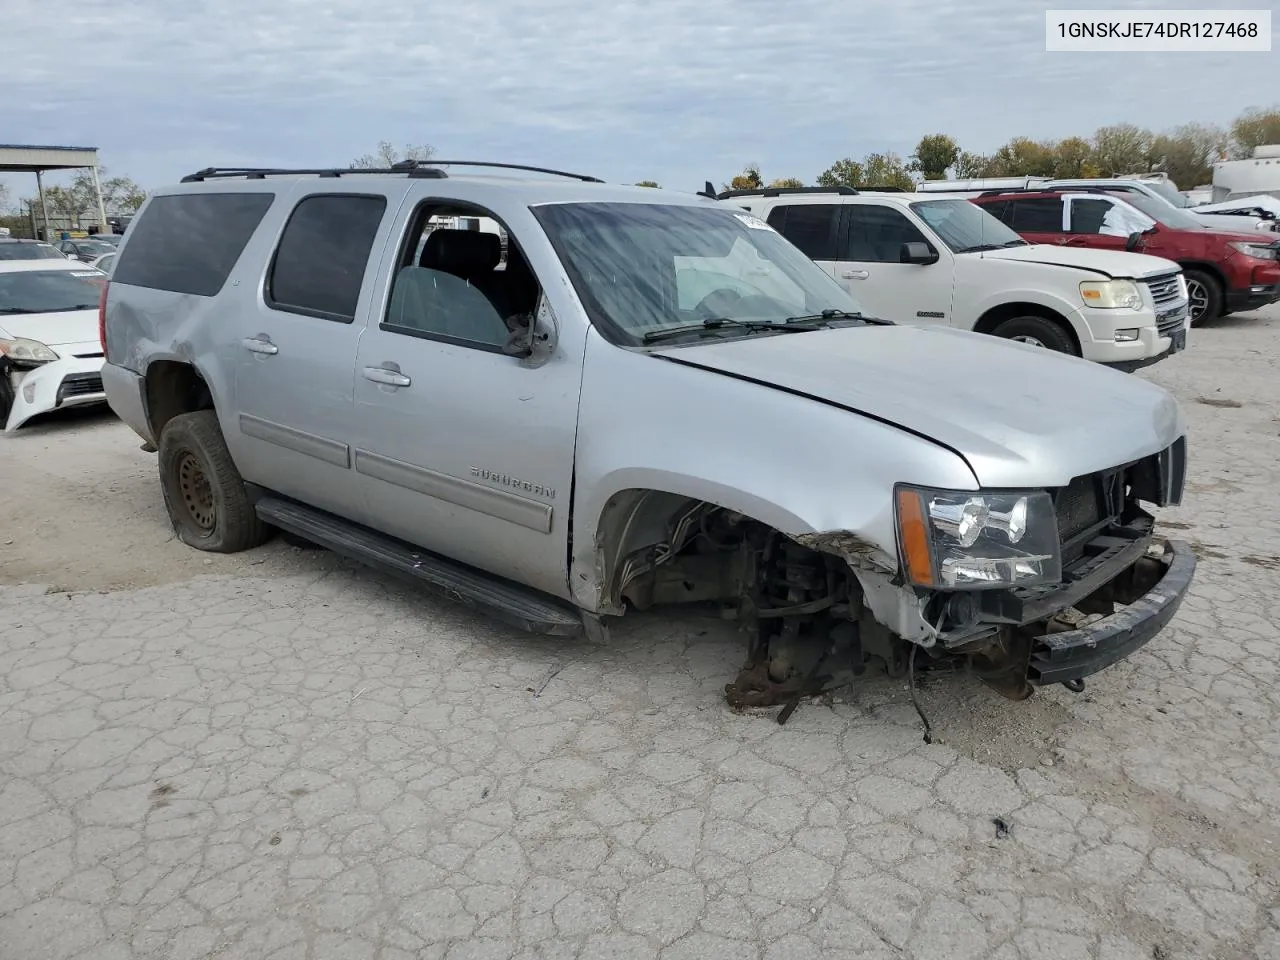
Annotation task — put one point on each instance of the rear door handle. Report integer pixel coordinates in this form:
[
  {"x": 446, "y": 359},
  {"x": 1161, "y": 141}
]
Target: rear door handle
[
  {"x": 387, "y": 376},
  {"x": 855, "y": 275},
  {"x": 260, "y": 344}
]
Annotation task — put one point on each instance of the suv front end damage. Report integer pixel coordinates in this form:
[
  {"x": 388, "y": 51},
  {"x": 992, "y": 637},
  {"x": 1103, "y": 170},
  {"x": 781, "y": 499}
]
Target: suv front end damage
[{"x": 1028, "y": 587}]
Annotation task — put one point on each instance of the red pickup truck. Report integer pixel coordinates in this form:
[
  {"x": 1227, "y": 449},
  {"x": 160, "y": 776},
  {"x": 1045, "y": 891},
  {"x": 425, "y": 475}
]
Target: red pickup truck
[{"x": 1225, "y": 271}]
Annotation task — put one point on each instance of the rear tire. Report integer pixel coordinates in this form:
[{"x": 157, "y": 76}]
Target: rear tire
[
  {"x": 1038, "y": 331},
  {"x": 203, "y": 491},
  {"x": 1205, "y": 294}
]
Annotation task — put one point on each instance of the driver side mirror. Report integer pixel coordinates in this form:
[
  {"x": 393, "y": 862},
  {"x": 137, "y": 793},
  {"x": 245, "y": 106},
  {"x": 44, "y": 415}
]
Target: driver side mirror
[
  {"x": 1135, "y": 241},
  {"x": 918, "y": 253}
]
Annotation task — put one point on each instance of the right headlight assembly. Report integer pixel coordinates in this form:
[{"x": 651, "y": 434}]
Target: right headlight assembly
[{"x": 960, "y": 540}]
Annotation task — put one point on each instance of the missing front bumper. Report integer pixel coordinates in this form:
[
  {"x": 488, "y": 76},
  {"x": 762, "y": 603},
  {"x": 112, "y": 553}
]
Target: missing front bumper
[{"x": 1075, "y": 654}]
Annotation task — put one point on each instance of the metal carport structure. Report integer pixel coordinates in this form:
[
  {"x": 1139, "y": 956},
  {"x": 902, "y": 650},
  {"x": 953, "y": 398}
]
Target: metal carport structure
[{"x": 20, "y": 158}]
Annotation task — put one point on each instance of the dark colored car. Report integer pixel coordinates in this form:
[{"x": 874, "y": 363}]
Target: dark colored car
[
  {"x": 1225, "y": 271},
  {"x": 86, "y": 249}
]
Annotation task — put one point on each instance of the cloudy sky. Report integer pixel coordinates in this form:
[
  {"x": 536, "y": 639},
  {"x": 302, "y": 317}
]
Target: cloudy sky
[{"x": 678, "y": 91}]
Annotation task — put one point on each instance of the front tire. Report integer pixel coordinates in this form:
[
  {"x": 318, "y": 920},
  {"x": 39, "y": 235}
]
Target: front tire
[
  {"x": 1039, "y": 332},
  {"x": 1205, "y": 296},
  {"x": 203, "y": 491},
  {"x": 6, "y": 397}
]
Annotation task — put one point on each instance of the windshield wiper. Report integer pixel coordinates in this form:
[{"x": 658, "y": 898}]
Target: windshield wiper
[
  {"x": 1016, "y": 242},
  {"x": 826, "y": 315},
  {"x": 718, "y": 323}
]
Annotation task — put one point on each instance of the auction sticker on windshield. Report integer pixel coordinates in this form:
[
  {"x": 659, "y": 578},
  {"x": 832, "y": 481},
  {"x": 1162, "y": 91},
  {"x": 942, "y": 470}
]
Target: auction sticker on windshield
[{"x": 755, "y": 223}]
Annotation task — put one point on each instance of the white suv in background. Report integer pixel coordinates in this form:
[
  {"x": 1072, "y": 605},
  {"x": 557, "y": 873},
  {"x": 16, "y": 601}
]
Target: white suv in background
[{"x": 934, "y": 259}]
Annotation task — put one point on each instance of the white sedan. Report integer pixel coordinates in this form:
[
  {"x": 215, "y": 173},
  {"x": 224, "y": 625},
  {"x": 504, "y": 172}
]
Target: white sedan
[{"x": 50, "y": 353}]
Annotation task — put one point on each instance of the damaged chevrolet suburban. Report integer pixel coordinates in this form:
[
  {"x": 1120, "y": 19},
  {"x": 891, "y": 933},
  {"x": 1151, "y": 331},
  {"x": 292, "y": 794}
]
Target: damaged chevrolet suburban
[{"x": 628, "y": 397}]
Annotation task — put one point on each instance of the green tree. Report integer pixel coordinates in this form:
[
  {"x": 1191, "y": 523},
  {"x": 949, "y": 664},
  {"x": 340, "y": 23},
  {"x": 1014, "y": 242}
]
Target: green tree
[
  {"x": 385, "y": 155},
  {"x": 748, "y": 179},
  {"x": 1024, "y": 157},
  {"x": 1253, "y": 128},
  {"x": 1122, "y": 148},
  {"x": 935, "y": 153},
  {"x": 119, "y": 194},
  {"x": 65, "y": 203},
  {"x": 1073, "y": 157},
  {"x": 842, "y": 173},
  {"x": 972, "y": 166},
  {"x": 649, "y": 183},
  {"x": 886, "y": 170},
  {"x": 1187, "y": 153},
  {"x": 787, "y": 182}
]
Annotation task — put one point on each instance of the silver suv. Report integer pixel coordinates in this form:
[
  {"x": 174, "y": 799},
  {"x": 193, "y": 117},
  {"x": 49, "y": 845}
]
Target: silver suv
[{"x": 617, "y": 397}]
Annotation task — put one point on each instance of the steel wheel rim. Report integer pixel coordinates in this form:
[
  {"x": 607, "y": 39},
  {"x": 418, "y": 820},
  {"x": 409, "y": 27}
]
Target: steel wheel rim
[
  {"x": 1024, "y": 338},
  {"x": 196, "y": 491},
  {"x": 1199, "y": 298}
]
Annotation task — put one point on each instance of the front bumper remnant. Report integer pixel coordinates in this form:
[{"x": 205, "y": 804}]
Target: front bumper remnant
[
  {"x": 68, "y": 382},
  {"x": 1074, "y": 654}
]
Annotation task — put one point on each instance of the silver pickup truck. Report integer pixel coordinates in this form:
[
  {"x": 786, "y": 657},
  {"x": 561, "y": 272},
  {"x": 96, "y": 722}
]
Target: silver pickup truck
[{"x": 622, "y": 397}]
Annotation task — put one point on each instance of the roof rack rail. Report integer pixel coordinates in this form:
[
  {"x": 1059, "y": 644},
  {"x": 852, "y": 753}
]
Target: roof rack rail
[
  {"x": 409, "y": 165},
  {"x": 708, "y": 190},
  {"x": 261, "y": 173},
  {"x": 1083, "y": 188},
  {"x": 884, "y": 189},
  {"x": 779, "y": 191},
  {"x": 426, "y": 169}
]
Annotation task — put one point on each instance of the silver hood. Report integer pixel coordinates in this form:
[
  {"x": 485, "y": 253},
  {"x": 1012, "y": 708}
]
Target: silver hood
[{"x": 1020, "y": 416}]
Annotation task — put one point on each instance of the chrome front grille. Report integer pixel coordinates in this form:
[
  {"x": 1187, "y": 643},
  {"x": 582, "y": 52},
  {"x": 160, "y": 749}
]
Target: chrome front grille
[
  {"x": 1164, "y": 290},
  {"x": 1172, "y": 323}
]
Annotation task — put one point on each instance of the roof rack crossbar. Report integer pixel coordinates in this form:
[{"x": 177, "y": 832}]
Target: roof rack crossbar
[
  {"x": 779, "y": 191},
  {"x": 421, "y": 164}
]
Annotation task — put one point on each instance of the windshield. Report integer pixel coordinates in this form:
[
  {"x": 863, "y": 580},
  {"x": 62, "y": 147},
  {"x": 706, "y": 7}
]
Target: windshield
[
  {"x": 29, "y": 251},
  {"x": 1163, "y": 212},
  {"x": 642, "y": 268},
  {"x": 94, "y": 248},
  {"x": 1167, "y": 192},
  {"x": 966, "y": 227},
  {"x": 49, "y": 291}
]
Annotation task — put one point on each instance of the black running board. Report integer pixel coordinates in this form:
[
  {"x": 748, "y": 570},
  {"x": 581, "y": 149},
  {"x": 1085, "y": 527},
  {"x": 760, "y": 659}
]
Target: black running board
[{"x": 514, "y": 605}]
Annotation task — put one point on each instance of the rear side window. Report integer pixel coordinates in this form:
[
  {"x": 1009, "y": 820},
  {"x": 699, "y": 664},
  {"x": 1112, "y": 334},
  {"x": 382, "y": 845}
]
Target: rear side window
[
  {"x": 319, "y": 266},
  {"x": 1036, "y": 215},
  {"x": 188, "y": 243},
  {"x": 810, "y": 226}
]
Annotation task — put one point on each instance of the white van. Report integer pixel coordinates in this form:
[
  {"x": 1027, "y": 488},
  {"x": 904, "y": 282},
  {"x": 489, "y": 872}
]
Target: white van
[{"x": 929, "y": 258}]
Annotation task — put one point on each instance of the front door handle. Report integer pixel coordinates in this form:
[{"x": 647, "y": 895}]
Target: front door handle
[
  {"x": 260, "y": 344},
  {"x": 855, "y": 275},
  {"x": 388, "y": 376}
]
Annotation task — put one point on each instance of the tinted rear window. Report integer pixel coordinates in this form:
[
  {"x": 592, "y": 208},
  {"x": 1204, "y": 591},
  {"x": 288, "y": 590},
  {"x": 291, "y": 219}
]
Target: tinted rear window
[
  {"x": 810, "y": 226},
  {"x": 188, "y": 243},
  {"x": 319, "y": 266}
]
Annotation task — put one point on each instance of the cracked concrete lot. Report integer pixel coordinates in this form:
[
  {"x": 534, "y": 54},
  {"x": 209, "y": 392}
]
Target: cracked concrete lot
[{"x": 278, "y": 755}]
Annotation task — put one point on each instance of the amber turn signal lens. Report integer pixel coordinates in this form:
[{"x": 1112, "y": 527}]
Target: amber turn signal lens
[{"x": 916, "y": 554}]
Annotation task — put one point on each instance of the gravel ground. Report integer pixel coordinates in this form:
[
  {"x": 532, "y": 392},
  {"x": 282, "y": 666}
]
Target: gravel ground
[{"x": 279, "y": 755}]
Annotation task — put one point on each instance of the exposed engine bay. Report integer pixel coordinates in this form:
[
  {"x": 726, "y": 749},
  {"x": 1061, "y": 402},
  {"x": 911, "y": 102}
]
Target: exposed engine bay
[{"x": 810, "y": 629}]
